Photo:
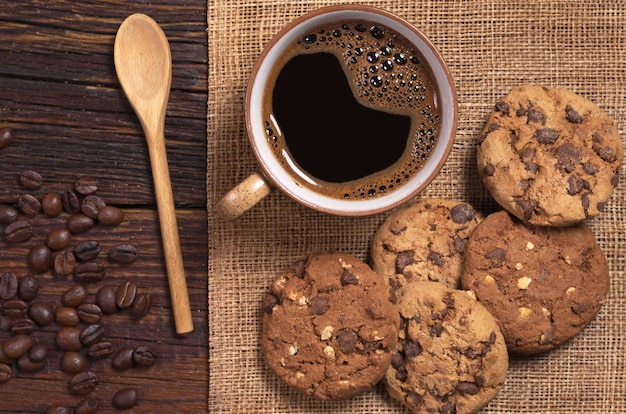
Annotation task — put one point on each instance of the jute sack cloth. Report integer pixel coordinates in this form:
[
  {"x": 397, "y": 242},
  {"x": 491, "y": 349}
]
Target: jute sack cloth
[{"x": 491, "y": 47}]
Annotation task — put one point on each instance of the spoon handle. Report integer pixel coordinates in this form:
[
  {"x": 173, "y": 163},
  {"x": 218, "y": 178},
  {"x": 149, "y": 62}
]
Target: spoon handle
[{"x": 169, "y": 234}]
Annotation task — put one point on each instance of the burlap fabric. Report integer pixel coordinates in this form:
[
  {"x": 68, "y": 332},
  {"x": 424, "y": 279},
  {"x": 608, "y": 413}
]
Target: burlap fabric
[{"x": 491, "y": 46}]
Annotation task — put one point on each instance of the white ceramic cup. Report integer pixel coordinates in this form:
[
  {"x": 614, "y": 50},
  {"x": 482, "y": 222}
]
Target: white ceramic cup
[{"x": 273, "y": 175}]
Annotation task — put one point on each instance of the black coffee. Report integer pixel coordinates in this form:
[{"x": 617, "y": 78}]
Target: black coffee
[{"x": 350, "y": 110}]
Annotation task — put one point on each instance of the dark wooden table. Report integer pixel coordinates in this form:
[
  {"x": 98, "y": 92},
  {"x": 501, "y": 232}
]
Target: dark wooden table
[{"x": 60, "y": 96}]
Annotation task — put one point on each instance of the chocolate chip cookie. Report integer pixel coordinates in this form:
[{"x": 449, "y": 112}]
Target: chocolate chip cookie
[
  {"x": 549, "y": 156},
  {"x": 424, "y": 241},
  {"x": 452, "y": 356},
  {"x": 542, "y": 284},
  {"x": 329, "y": 329}
]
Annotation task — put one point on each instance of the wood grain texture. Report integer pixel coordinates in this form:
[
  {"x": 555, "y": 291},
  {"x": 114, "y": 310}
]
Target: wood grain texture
[{"x": 70, "y": 118}]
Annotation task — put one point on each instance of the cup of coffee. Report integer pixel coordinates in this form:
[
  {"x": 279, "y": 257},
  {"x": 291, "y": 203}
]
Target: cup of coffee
[{"x": 350, "y": 110}]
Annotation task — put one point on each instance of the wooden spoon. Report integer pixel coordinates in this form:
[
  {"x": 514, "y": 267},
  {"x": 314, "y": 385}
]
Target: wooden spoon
[{"x": 143, "y": 63}]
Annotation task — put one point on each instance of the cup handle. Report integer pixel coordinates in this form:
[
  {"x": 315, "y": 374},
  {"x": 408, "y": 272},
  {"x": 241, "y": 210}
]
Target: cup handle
[{"x": 242, "y": 197}]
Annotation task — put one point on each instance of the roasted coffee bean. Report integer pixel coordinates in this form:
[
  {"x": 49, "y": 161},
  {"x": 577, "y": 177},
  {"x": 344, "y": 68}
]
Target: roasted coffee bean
[
  {"x": 68, "y": 338},
  {"x": 110, "y": 216},
  {"x": 14, "y": 308},
  {"x": 64, "y": 263},
  {"x": 83, "y": 382},
  {"x": 5, "y": 373},
  {"x": 40, "y": 258},
  {"x": 29, "y": 205},
  {"x": 66, "y": 316},
  {"x": 79, "y": 223},
  {"x": 143, "y": 356},
  {"x": 9, "y": 285},
  {"x": 73, "y": 362},
  {"x": 6, "y": 136},
  {"x": 105, "y": 298},
  {"x": 123, "y": 253},
  {"x": 87, "y": 250},
  {"x": 123, "y": 359},
  {"x": 101, "y": 350},
  {"x": 31, "y": 179},
  {"x": 86, "y": 186},
  {"x": 74, "y": 296},
  {"x": 38, "y": 352},
  {"x": 59, "y": 409},
  {"x": 141, "y": 305},
  {"x": 3, "y": 358},
  {"x": 91, "y": 334},
  {"x": 16, "y": 346},
  {"x": 125, "y": 399},
  {"x": 18, "y": 231},
  {"x": 58, "y": 238},
  {"x": 91, "y": 205},
  {"x": 89, "y": 312},
  {"x": 28, "y": 287},
  {"x": 24, "y": 326},
  {"x": 125, "y": 295},
  {"x": 51, "y": 204},
  {"x": 71, "y": 202},
  {"x": 41, "y": 313},
  {"x": 8, "y": 214},
  {"x": 25, "y": 364},
  {"x": 89, "y": 272},
  {"x": 87, "y": 405}
]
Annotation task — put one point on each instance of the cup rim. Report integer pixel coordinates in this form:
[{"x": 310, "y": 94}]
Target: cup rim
[{"x": 361, "y": 207}]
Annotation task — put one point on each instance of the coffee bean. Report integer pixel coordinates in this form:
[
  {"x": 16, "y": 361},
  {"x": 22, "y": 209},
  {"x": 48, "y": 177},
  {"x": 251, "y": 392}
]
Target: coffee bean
[
  {"x": 17, "y": 346},
  {"x": 9, "y": 285},
  {"x": 125, "y": 399},
  {"x": 89, "y": 312},
  {"x": 64, "y": 263},
  {"x": 71, "y": 202},
  {"x": 110, "y": 216},
  {"x": 41, "y": 313},
  {"x": 67, "y": 316},
  {"x": 18, "y": 231},
  {"x": 68, "y": 338},
  {"x": 74, "y": 296},
  {"x": 105, "y": 298},
  {"x": 58, "y": 238},
  {"x": 24, "y": 326},
  {"x": 123, "y": 253},
  {"x": 89, "y": 272},
  {"x": 73, "y": 362},
  {"x": 28, "y": 287},
  {"x": 38, "y": 352},
  {"x": 144, "y": 357},
  {"x": 86, "y": 186},
  {"x": 40, "y": 258},
  {"x": 25, "y": 364},
  {"x": 79, "y": 223},
  {"x": 87, "y": 250},
  {"x": 87, "y": 405},
  {"x": 8, "y": 214},
  {"x": 5, "y": 373},
  {"x": 3, "y": 358},
  {"x": 51, "y": 204},
  {"x": 91, "y": 205},
  {"x": 91, "y": 334},
  {"x": 101, "y": 350},
  {"x": 125, "y": 295},
  {"x": 59, "y": 409},
  {"x": 6, "y": 136},
  {"x": 31, "y": 179},
  {"x": 14, "y": 308},
  {"x": 123, "y": 359},
  {"x": 29, "y": 205},
  {"x": 83, "y": 382},
  {"x": 141, "y": 305}
]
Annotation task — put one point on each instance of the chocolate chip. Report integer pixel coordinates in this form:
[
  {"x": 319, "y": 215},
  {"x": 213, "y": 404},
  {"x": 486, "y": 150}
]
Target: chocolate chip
[
  {"x": 319, "y": 305},
  {"x": 589, "y": 168},
  {"x": 572, "y": 116},
  {"x": 448, "y": 408},
  {"x": 496, "y": 254},
  {"x": 436, "y": 329},
  {"x": 398, "y": 231},
  {"x": 347, "y": 340},
  {"x": 585, "y": 201},
  {"x": 397, "y": 361},
  {"x": 412, "y": 349},
  {"x": 466, "y": 387},
  {"x": 404, "y": 259},
  {"x": 489, "y": 170},
  {"x": 401, "y": 374},
  {"x": 493, "y": 127},
  {"x": 503, "y": 107},
  {"x": 298, "y": 268},
  {"x": 576, "y": 185},
  {"x": 459, "y": 244},
  {"x": 348, "y": 278},
  {"x": 615, "y": 179},
  {"x": 536, "y": 117},
  {"x": 606, "y": 153},
  {"x": 568, "y": 157},
  {"x": 524, "y": 185},
  {"x": 462, "y": 213},
  {"x": 581, "y": 308},
  {"x": 547, "y": 136},
  {"x": 527, "y": 208},
  {"x": 600, "y": 206},
  {"x": 435, "y": 258},
  {"x": 492, "y": 337},
  {"x": 414, "y": 399},
  {"x": 531, "y": 167},
  {"x": 269, "y": 302}
]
